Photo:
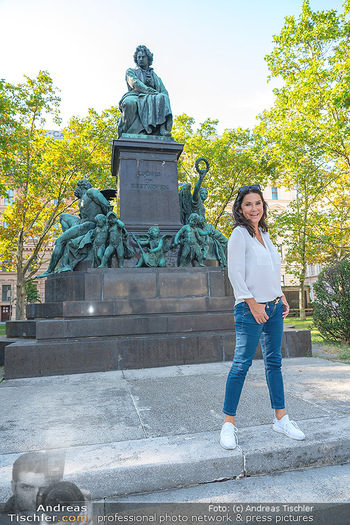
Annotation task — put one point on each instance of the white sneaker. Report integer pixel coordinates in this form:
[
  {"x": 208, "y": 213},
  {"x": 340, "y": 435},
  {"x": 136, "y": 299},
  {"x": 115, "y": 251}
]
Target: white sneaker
[
  {"x": 288, "y": 427},
  {"x": 228, "y": 438}
]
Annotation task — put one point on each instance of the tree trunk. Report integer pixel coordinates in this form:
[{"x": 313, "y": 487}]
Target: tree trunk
[
  {"x": 303, "y": 263},
  {"x": 21, "y": 295},
  {"x": 302, "y": 299}
]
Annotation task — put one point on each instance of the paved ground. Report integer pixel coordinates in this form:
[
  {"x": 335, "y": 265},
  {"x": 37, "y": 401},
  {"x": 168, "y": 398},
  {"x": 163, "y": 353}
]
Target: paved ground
[{"x": 139, "y": 431}]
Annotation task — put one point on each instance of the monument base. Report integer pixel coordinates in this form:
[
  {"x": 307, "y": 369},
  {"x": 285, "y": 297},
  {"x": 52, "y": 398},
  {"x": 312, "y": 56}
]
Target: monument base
[
  {"x": 114, "y": 319},
  {"x": 118, "y": 319}
]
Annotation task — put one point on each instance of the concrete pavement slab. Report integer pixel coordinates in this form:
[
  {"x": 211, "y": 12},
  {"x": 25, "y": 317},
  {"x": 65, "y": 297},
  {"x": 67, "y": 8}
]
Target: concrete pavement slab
[
  {"x": 158, "y": 463},
  {"x": 195, "y": 405},
  {"x": 48, "y": 414},
  {"x": 176, "y": 371},
  {"x": 146, "y": 430},
  {"x": 313, "y": 378}
]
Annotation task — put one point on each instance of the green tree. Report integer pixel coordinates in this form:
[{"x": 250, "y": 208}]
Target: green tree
[
  {"x": 43, "y": 173},
  {"x": 332, "y": 230},
  {"x": 307, "y": 129},
  {"x": 32, "y": 292},
  {"x": 235, "y": 159},
  {"x": 295, "y": 227},
  {"x": 8, "y": 126}
]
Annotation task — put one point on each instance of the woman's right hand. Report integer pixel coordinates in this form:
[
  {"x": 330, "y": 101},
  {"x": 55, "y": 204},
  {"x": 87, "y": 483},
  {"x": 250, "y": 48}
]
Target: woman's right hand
[{"x": 258, "y": 310}]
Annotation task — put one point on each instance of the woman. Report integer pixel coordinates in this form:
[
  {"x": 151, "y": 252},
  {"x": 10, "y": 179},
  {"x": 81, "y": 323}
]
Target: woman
[{"x": 254, "y": 269}]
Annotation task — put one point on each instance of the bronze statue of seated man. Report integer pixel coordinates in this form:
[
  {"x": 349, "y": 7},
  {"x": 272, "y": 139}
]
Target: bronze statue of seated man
[{"x": 145, "y": 108}]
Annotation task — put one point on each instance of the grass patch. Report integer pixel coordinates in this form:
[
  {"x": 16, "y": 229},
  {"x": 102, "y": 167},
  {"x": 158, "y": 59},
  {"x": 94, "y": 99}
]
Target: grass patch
[
  {"x": 308, "y": 324},
  {"x": 341, "y": 351},
  {"x": 345, "y": 354},
  {"x": 2, "y": 329}
]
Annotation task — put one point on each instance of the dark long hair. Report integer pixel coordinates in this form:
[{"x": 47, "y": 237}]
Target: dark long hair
[{"x": 238, "y": 216}]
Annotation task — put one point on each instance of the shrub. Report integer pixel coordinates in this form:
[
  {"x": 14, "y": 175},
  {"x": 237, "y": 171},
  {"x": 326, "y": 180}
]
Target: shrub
[
  {"x": 332, "y": 302},
  {"x": 32, "y": 292}
]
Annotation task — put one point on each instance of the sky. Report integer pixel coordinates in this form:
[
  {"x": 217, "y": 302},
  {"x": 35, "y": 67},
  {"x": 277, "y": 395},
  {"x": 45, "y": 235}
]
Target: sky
[{"x": 209, "y": 53}]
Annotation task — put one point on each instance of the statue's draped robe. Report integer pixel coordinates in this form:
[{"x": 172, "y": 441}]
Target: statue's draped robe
[
  {"x": 219, "y": 245},
  {"x": 197, "y": 206},
  {"x": 152, "y": 110}
]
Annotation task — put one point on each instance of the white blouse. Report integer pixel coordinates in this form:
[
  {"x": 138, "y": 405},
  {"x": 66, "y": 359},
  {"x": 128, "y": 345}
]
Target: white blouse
[{"x": 254, "y": 270}]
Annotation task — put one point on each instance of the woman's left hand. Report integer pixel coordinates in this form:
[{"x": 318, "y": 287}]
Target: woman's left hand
[{"x": 285, "y": 307}]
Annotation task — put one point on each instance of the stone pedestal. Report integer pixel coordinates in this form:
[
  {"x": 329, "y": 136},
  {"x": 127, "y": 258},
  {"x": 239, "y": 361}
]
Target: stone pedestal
[
  {"x": 146, "y": 171},
  {"x": 117, "y": 319},
  {"x": 114, "y": 319}
]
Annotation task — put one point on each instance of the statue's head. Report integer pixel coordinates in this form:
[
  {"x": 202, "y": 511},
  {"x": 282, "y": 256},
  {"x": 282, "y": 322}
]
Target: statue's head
[
  {"x": 100, "y": 219},
  {"x": 112, "y": 217},
  {"x": 82, "y": 187},
  {"x": 201, "y": 221},
  {"x": 193, "y": 219},
  {"x": 143, "y": 57},
  {"x": 203, "y": 193},
  {"x": 153, "y": 232}
]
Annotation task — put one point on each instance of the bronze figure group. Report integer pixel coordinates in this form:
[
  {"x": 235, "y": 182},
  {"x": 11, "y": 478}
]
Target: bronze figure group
[{"x": 97, "y": 234}]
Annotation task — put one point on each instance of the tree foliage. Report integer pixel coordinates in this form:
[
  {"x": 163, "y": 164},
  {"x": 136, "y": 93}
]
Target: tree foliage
[
  {"x": 306, "y": 132},
  {"x": 235, "y": 159},
  {"x": 332, "y": 229},
  {"x": 43, "y": 171},
  {"x": 32, "y": 292}
]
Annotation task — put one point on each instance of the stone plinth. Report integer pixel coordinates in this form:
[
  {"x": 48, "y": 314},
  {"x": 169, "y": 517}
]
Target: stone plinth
[
  {"x": 117, "y": 319},
  {"x": 148, "y": 195},
  {"x": 113, "y": 319}
]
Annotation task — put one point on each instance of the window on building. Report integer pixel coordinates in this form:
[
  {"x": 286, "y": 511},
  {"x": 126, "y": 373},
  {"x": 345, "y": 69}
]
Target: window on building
[
  {"x": 274, "y": 194},
  {"x": 6, "y": 292},
  {"x": 312, "y": 270},
  {"x": 9, "y": 198}
]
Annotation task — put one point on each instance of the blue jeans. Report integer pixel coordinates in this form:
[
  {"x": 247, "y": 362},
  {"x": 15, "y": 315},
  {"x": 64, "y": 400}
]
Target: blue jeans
[{"x": 248, "y": 334}]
